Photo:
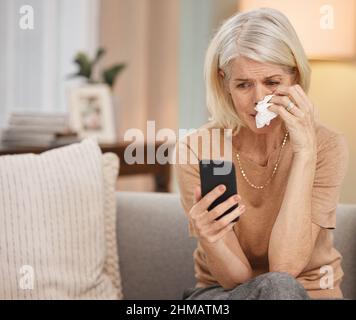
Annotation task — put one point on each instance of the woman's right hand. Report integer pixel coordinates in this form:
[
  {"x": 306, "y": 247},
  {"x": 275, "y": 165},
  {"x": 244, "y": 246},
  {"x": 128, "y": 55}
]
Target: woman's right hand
[{"x": 206, "y": 227}]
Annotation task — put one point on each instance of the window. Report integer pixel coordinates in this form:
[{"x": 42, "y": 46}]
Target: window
[{"x": 35, "y": 63}]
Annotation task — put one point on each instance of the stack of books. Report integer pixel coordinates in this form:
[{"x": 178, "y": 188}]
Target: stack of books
[{"x": 37, "y": 129}]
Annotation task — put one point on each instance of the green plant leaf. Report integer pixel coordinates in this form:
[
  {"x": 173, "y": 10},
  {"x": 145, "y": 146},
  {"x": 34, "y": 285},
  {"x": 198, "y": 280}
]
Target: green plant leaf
[
  {"x": 110, "y": 74},
  {"x": 100, "y": 52},
  {"x": 83, "y": 62}
]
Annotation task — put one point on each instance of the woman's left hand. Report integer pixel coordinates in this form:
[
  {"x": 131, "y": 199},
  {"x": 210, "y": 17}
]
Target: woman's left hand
[{"x": 299, "y": 120}]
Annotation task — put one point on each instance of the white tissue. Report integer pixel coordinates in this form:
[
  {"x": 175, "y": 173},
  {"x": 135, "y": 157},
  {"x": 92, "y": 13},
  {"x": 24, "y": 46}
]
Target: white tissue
[{"x": 264, "y": 116}]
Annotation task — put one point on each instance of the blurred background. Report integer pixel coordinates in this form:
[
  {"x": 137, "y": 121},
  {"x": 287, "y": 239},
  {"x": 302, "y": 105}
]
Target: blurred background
[{"x": 162, "y": 45}]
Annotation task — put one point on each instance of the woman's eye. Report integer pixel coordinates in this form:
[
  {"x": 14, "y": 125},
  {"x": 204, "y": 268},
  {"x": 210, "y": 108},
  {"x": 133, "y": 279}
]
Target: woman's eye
[
  {"x": 246, "y": 85},
  {"x": 242, "y": 85}
]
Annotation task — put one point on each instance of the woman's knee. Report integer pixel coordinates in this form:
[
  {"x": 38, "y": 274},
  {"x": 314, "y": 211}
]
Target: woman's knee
[
  {"x": 279, "y": 277},
  {"x": 283, "y": 286},
  {"x": 212, "y": 292}
]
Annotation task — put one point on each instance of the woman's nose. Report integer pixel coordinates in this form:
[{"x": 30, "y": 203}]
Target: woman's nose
[{"x": 260, "y": 93}]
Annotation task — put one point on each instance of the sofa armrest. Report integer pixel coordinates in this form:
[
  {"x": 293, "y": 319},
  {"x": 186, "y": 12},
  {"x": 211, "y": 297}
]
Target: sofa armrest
[{"x": 345, "y": 243}]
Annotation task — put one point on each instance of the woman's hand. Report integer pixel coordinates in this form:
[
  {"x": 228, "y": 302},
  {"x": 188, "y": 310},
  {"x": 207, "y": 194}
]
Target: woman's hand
[
  {"x": 299, "y": 120},
  {"x": 207, "y": 229}
]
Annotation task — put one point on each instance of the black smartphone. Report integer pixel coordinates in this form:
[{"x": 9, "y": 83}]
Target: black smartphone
[{"x": 214, "y": 173}]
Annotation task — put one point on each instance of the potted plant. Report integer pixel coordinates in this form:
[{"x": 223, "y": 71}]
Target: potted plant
[{"x": 86, "y": 67}]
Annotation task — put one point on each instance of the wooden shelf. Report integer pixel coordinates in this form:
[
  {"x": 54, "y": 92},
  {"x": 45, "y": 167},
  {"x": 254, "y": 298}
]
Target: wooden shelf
[{"x": 161, "y": 172}]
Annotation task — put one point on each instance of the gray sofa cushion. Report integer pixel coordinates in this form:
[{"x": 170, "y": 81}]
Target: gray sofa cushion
[
  {"x": 156, "y": 252},
  {"x": 154, "y": 246},
  {"x": 345, "y": 242}
]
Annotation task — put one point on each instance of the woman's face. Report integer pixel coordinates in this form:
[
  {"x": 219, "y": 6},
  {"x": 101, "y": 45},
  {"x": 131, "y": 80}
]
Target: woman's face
[{"x": 250, "y": 82}]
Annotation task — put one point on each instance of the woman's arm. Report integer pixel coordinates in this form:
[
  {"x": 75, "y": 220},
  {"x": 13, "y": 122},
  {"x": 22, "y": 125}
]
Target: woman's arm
[
  {"x": 227, "y": 262},
  {"x": 312, "y": 193},
  {"x": 225, "y": 259},
  {"x": 293, "y": 234}
]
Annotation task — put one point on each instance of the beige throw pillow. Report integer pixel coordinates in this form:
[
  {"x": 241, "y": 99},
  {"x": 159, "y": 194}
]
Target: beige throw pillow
[{"x": 57, "y": 224}]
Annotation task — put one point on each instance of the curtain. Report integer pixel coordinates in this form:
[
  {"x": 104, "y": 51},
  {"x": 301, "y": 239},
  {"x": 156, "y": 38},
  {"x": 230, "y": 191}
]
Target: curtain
[{"x": 144, "y": 34}]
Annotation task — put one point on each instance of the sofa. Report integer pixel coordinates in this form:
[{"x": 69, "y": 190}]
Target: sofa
[{"x": 155, "y": 250}]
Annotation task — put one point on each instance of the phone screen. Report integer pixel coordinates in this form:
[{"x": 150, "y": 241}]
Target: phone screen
[{"x": 214, "y": 173}]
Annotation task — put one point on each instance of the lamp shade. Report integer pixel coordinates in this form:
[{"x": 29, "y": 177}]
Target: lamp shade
[{"x": 327, "y": 29}]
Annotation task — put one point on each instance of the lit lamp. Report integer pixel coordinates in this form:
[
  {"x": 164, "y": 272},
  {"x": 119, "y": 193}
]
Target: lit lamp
[{"x": 326, "y": 28}]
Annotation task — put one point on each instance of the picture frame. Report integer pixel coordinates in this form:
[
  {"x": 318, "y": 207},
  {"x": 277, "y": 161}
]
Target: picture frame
[{"x": 91, "y": 113}]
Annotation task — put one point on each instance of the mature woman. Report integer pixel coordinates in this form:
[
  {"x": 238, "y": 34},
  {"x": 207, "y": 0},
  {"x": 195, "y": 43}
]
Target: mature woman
[{"x": 288, "y": 172}]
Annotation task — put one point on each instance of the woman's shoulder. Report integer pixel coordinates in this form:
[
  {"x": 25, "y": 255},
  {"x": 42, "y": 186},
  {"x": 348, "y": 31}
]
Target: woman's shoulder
[
  {"x": 332, "y": 151},
  {"x": 328, "y": 137},
  {"x": 207, "y": 128},
  {"x": 204, "y": 140}
]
